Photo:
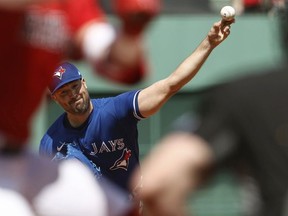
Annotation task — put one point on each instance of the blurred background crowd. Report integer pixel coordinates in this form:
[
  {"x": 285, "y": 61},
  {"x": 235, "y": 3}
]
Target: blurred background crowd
[
  {"x": 213, "y": 6},
  {"x": 252, "y": 47}
]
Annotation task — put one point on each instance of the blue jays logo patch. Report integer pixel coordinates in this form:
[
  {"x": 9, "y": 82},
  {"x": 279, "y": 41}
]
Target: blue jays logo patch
[
  {"x": 59, "y": 72},
  {"x": 123, "y": 161}
]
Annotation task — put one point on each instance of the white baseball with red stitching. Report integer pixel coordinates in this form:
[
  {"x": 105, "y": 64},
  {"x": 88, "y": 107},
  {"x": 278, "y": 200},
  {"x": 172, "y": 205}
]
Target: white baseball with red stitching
[{"x": 227, "y": 13}]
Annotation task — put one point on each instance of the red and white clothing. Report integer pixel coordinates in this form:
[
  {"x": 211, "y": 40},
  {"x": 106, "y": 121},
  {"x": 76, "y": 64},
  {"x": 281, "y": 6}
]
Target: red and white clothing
[{"x": 32, "y": 43}]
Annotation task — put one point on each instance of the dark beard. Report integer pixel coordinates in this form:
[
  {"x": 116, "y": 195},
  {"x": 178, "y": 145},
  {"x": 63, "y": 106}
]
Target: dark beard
[{"x": 80, "y": 109}]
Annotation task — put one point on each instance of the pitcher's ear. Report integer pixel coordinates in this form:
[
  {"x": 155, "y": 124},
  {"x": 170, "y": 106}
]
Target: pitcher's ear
[{"x": 84, "y": 83}]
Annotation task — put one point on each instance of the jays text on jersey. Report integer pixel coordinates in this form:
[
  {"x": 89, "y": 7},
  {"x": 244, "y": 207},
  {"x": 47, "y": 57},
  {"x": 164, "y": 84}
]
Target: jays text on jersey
[{"x": 108, "y": 138}]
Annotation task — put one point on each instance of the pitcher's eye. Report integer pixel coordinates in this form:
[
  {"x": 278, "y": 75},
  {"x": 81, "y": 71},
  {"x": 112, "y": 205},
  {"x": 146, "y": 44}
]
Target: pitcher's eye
[
  {"x": 63, "y": 93},
  {"x": 76, "y": 86}
]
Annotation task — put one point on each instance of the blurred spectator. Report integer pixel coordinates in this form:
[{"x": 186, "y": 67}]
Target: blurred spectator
[
  {"x": 258, "y": 6},
  {"x": 172, "y": 7},
  {"x": 33, "y": 186},
  {"x": 252, "y": 5}
]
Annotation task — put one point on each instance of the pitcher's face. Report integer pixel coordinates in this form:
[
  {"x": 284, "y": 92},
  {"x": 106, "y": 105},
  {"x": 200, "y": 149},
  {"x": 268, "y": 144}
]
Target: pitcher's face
[{"x": 73, "y": 97}]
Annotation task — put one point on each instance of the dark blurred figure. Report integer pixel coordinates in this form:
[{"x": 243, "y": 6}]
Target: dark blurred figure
[{"x": 242, "y": 121}]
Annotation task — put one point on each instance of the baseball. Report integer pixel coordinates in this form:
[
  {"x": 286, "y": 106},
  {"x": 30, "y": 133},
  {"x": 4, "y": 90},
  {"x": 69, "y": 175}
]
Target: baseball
[{"x": 227, "y": 13}]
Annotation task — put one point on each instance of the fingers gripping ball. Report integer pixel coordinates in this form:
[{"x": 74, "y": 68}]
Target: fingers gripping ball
[{"x": 227, "y": 13}]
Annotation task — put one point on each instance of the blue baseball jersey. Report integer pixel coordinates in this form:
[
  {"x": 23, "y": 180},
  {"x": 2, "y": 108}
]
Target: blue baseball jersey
[{"x": 108, "y": 138}]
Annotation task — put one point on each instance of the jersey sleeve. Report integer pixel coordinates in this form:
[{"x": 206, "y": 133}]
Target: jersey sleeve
[{"x": 126, "y": 104}]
